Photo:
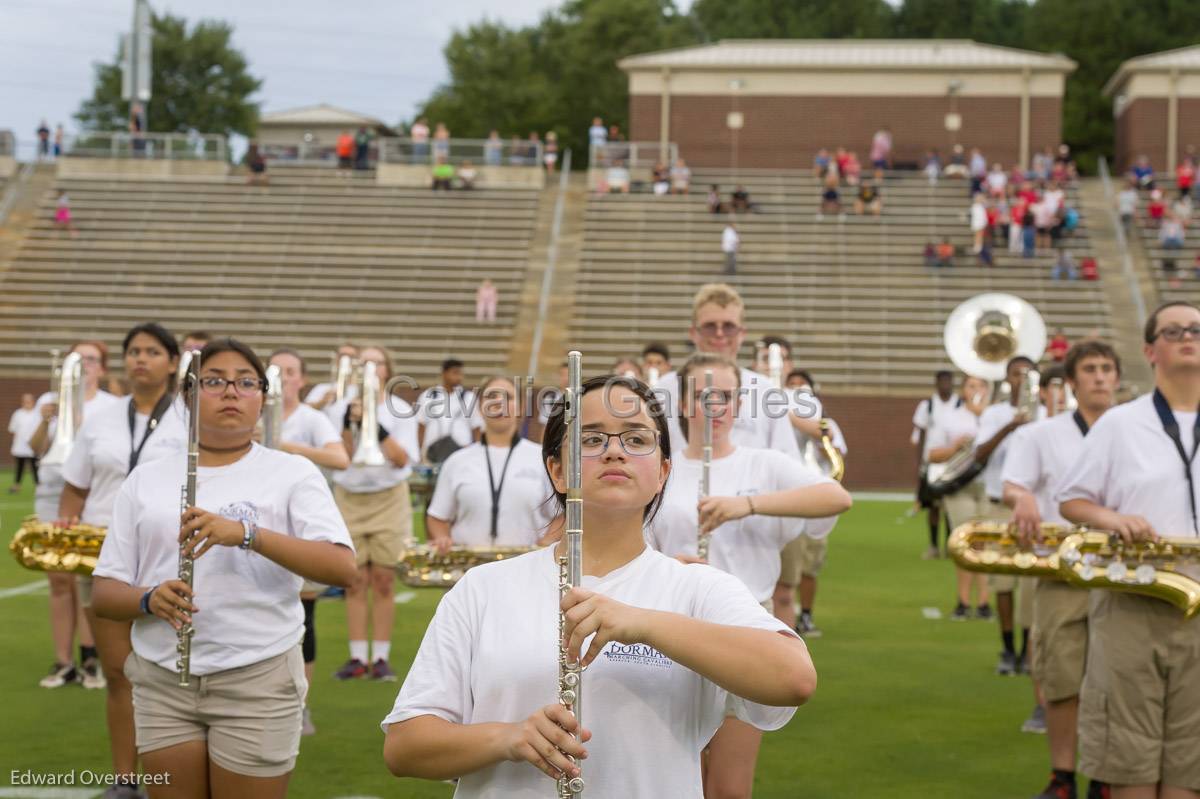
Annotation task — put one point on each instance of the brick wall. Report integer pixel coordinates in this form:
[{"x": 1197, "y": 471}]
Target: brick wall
[
  {"x": 786, "y": 131},
  {"x": 1142, "y": 130}
]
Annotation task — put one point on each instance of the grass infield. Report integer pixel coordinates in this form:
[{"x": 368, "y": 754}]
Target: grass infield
[{"x": 907, "y": 706}]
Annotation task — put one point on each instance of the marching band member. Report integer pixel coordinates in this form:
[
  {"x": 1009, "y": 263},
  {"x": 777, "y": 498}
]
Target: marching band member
[
  {"x": 996, "y": 425},
  {"x": 761, "y": 500},
  {"x": 718, "y": 327},
  {"x": 494, "y": 492},
  {"x": 954, "y": 432},
  {"x": 804, "y": 556},
  {"x": 322, "y": 395},
  {"x": 66, "y": 608},
  {"x": 195, "y": 340},
  {"x": 926, "y": 418},
  {"x": 306, "y": 432},
  {"x": 670, "y": 644},
  {"x": 1139, "y": 712},
  {"x": 656, "y": 361},
  {"x": 627, "y": 366},
  {"x": 111, "y": 442},
  {"x": 377, "y": 507},
  {"x": 446, "y": 421},
  {"x": 263, "y": 521},
  {"x": 1039, "y": 455}
]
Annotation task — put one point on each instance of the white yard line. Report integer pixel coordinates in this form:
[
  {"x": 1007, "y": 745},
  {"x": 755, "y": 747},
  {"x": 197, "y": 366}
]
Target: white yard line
[
  {"x": 404, "y": 597},
  {"x": 35, "y": 587}
]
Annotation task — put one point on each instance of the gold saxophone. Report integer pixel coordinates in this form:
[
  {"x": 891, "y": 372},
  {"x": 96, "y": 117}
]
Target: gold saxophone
[
  {"x": 42, "y": 546},
  {"x": 994, "y": 547},
  {"x": 422, "y": 566}
]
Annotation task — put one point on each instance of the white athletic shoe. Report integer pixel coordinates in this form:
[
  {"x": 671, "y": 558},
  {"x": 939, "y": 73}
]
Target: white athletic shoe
[
  {"x": 60, "y": 674},
  {"x": 91, "y": 676}
]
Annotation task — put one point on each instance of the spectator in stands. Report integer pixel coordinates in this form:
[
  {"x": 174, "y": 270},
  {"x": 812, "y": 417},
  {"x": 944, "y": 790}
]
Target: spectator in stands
[
  {"x": 1016, "y": 228},
  {"x": 841, "y": 157},
  {"x": 1182, "y": 209},
  {"x": 1045, "y": 218},
  {"x": 344, "y": 148},
  {"x": 1172, "y": 272},
  {"x": 43, "y": 139},
  {"x": 441, "y": 141},
  {"x": 1185, "y": 175},
  {"x": 1156, "y": 208},
  {"x": 945, "y": 254},
  {"x": 1016, "y": 176},
  {"x": 1059, "y": 346},
  {"x": 681, "y": 177},
  {"x": 443, "y": 174},
  {"x": 656, "y": 358},
  {"x": 868, "y": 199},
  {"x": 62, "y": 214},
  {"x": 58, "y": 141},
  {"x": 881, "y": 151},
  {"x": 1170, "y": 233},
  {"x": 1089, "y": 269},
  {"x": 997, "y": 181},
  {"x": 979, "y": 222},
  {"x": 257, "y": 164},
  {"x": 731, "y": 242},
  {"x": 487, "y": 297},
  {"x": 1029, "y": 231},
  {"x": 929, "y": 254},
  {"x": 715, "y": 206},
  {"x": 977, "y": 169},
  {"x": 739, "y": 201},
  {"x": 1002, "y": 225},
  {"x": 550, "y": 152},
  {"x": 362, "y": 148},
  {"x": 467, "y": 175},
  {"x": 1064, "y": 266},
  {"x": 1127, "y": 203},
  {"x": 821, "y": 163},
  {"x": 1143, "y": 173},
  {"x": 597, "y": 133},
  {"x": 853, "y": 169},
  {"x": 627, "y": 366},
  {"x": 933, "y": 167},
  {"x": 617, "y": 178},
  {"x": 957, "y": 166},
  {"x": 419, "y": 133},
  {"x": 493, "y": 149},
  {"x": 985, "y": 253},
  {"x": 1043, "y": 165},
  {"x": 831, "y": 202},
  {"x": 532, "y": 146},
  {"x": 1070, "y": 221},
  {"x": 661, "y": 179}
]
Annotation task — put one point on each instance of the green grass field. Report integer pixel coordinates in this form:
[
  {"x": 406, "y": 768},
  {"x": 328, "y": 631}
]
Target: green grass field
[{"x": 907, "y": 707}]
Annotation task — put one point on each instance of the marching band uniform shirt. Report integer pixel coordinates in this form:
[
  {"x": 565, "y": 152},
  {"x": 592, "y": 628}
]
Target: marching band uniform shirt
[
  {"x": 250, "y": 606},
  {"x": 929, "y": 414},
  {"x": 1041, "y": 453},
  {"x": 747, "y": 548},
  {"x": 22, "y": 425},
  {"x": 309, "y": 427},
  {"x": 402, "y": 427},
  {"x": 991, "y": 422},
  {"x": 50, "y": 477},
  {"x": 762, "y": 420},
  {"x": 322, "y": 390},
  {"x": 454, "y": 415},
  {"x": 99, "y": 460},
  {"x": 463, "y": 495},
  {"x": 489, "y": 655},
  {"x": 1129, "y": 464}
]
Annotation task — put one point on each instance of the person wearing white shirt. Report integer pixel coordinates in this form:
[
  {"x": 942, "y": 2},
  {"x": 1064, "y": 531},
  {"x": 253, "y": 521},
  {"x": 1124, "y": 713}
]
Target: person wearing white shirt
[
  {"x": 763, "y": 413},
  {"x": 731, "y": 242},
  {"x": 656, "y": 361},
  {"x": 21, "y": 425},
  {"x": 306, "y": 432},
  {"x": 1039, "y": 456},
  {"x": 480, "y": 703},
  {"x": 446, "y": 417},
  {"x": 262, "y": 522},
  {"x": 493, "y": 493},
  {"x": 139, "y": 428},
  {"x": 925, "y": 420},
  {"x": 377, "y": 507},
  {"x": 323, "y": 396},
  {"x": 1139, "y": 710},
  {"x": 759, "y": 502}
]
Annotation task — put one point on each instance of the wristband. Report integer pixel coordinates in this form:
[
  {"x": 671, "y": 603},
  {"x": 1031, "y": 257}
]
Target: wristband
[
  {"x": 249, "y": 531},
  {"x": 145, "y": 603}
]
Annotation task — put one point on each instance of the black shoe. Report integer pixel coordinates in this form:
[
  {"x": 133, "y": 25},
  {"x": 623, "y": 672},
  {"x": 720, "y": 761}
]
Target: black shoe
[
  {"x": 1099, "y": 790},
  {"x": 961, "y": 613},
  {"x": 1007, "y": 665},
  {"x": 1057, "y": 789},
  {"x": 984, "y": 612}
]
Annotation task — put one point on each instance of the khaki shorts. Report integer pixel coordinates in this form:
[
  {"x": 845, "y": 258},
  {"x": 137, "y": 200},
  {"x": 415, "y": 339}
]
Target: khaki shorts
[
  {"x": 969, "y": 504},
  {"x": 250, "y": 716},
  {"x": 380, "y": 523},
  {"x": 802, "y": 555},
  {"x": 83, "y": 588},
  {"x": 1139, "y": 710},
  {"x": 1060, "y": 631}
]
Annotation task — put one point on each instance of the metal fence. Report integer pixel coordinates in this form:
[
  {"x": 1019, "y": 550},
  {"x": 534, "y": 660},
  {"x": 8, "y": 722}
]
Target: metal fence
[
  {"x": 157, "y": 146},
  {"x": 480, "y": 152},
  {"x": 631, "y": 154},
  {"x": 313, "y": 153}
]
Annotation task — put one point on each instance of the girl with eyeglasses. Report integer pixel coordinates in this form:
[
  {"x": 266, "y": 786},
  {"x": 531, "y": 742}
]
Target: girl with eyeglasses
[
  {"x": 759, "y": 501},
  {"x": 264, "y": 520},
  {"x": 666, "y": 646}
]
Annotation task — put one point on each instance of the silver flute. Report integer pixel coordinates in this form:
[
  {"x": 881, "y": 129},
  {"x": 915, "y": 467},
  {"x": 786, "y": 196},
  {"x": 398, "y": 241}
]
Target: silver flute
[
  {"x": 706, "y": 464},
  {"x": 189, "y": 368},
  {"x": 570, "y": 564}
]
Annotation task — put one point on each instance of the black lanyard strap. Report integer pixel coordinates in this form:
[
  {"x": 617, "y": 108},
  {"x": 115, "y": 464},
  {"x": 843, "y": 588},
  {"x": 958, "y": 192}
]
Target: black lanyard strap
[
  {"x": 164, "y": 402},
  {"x": 1171, "y": 428},
  {"x": 1080, "y": 422},
  {"x": 497, "y": 488}
]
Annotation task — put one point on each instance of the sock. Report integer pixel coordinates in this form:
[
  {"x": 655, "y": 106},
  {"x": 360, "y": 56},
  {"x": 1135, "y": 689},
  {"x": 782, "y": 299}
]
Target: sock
[
  {"x": 87, "y": 653},
  {"x": 933, "y": 534},
  {"x": 1008, "y": 642},
  {"x": 1063, "y": 776},
  {"x": 806, "y": 611},
  {"x": 358, "y": 651},
  {"x": 381, "y": 649},
  {"x": 1024, "y": 641}
]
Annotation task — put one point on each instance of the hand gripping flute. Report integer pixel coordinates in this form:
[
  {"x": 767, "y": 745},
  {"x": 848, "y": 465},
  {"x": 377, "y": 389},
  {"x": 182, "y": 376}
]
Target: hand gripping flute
[
  {"x": 190, "y": 370},
  {"x": 706, "y": 464},
  {"x": 570, "y": 564}
]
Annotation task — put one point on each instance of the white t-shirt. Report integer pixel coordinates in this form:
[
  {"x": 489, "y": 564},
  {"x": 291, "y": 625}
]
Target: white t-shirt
[
  {"x": 99, "y": 459},
  {"x": 334, "y": 410},
  {"x": 309, "y": 427},
  {"x": 1129, "y": 464},
  {"x": 401, "y": 426},
  {"x": 22, "y": 425},
  {"x": 762, "y": 421},
  {"x": 992, "y": 421},
  {"x": 443, "y": 414},
  {"x": 249, "y": 606},
  {"x": 463, "y": 495},
  {"x": 747, "y": 548},
  {"x": 490, "y": 655},
  {"x": 978, "y": 216},
  {"x": 50, "y": 477},
  {"x": 928, "y": 414},
  {"x": 955, "y": 424},
  {"x": 730, "y": 240},
  {"x": 1039, "y": 456}
]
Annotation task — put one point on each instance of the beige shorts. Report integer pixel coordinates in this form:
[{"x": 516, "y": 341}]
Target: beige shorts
[
  {"x": 250, "y": 716},
  {"x": 83, "y": 589},
  {"x": 380, "y": 523},
  {"x": 802, "y": 555},
  {"x": 1060, "y": 632},
  {"x": 969, "y": 504},
  {"x": 1139, "y": 713}
]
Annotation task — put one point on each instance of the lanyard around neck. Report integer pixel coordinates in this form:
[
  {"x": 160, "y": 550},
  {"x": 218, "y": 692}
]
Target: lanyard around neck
[
  {"x": 496, "y": 488},
  {"x": 1171, "y": 428}
]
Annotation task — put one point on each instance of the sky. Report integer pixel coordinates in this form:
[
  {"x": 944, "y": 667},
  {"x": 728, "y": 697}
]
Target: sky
[{"x": 379, "y": 57}]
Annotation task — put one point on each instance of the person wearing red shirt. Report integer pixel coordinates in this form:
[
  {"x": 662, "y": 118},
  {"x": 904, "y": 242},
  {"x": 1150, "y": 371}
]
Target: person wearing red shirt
[
  {"x": 1185, "y": 176},
  {"x": 1058, "y": 347},
  {"x": 345, "y": 150},
  {"x": 1156, "y": 207}
]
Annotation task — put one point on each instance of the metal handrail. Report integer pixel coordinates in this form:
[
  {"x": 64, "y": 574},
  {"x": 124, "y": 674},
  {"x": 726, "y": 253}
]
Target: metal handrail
[
  {"x": 535, "y": 348},
  {"x": 632, "y": 154},
  {"x": 480, "y": 152},
  {"x": 149, "y": 146},
  {"x": 1135, "y": 289}
]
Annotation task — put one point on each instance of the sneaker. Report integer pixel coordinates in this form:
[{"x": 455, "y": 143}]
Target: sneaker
[
  {"x": 91, "y": 676},
  {"x": 1007, "y": 665},
  {"x": 60, "y": 674},
  {"x": 351, "y": 670},
  {"x": 380, "y": 670},
  {"x": 931, "y": 554},
  {"x": 984, "y": 612},
  {"x": 805, "y": 627},
  {"x": 1057, "y": 790},
  {"x": 1036, "y": 723},
  {"x": 308, "y": 728},
  {"x": 122, "y": 792},
  {"x": 1099, "y": 790}
]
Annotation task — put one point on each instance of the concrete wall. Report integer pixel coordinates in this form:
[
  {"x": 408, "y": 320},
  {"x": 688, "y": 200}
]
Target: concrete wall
[
  {"x": 489, "y": 177},
  {"x": 139, "y": 168}
]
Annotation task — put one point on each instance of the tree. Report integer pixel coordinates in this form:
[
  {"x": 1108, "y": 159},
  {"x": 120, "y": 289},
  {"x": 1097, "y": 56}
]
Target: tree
[
  {"x": 794, "y": 19},
  {"x": 200, "y": 81},
  {"x": 989, "y": 21}
]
